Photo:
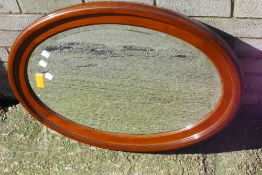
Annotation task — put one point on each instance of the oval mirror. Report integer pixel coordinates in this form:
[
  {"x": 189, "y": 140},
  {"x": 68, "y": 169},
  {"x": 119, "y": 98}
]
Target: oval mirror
[{"x": 125, "y": 76}]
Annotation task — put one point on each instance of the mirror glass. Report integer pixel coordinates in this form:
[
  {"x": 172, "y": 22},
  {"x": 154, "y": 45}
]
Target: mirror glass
[{"x": 124, "y": 79}]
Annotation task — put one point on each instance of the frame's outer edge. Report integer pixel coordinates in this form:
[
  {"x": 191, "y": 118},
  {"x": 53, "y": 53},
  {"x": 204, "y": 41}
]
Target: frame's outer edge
[{"x": 145, "y": 16}]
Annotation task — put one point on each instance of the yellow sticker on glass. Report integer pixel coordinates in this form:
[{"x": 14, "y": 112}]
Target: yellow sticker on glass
[{"x": 39, "y": 78}]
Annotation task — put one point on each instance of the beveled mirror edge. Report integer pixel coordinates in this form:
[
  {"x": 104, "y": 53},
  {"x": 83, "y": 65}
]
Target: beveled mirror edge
[{"x": 159, "y": 142}]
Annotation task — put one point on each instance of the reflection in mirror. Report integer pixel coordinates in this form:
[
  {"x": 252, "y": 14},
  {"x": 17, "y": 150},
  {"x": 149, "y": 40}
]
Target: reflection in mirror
[{"x": 124, "y": 79}]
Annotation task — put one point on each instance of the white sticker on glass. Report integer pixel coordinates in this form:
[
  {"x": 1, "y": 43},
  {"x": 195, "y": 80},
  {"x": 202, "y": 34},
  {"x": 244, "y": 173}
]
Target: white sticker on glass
[
  {"x": 49, "y": 76},
  {"x": 43, "y": 63},
  {"x": 45, "y": 54}
]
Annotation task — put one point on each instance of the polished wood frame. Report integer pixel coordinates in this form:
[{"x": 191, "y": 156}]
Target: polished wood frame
[{"x": 150, "y": 17}]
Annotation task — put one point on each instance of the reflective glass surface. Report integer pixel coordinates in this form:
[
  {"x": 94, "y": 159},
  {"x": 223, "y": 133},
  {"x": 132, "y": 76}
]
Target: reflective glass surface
[{"x": 124, "y": 79}]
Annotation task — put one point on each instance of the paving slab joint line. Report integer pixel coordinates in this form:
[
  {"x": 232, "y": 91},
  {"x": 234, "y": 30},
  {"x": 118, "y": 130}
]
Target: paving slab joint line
[
  {"x": 20, "y": 9},
  {"x": 232, "y": 8}
]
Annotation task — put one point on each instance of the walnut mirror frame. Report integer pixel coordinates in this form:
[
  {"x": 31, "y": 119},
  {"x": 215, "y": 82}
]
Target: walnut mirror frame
[{"x": 173, "y": 24}]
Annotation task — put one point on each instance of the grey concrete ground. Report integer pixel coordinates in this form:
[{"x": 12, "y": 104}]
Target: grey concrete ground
[{"x": 27, "y": 147}]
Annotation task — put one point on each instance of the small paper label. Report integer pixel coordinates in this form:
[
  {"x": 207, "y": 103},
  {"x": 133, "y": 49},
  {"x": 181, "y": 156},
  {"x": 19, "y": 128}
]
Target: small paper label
[
  {"x": 45, "y": 54},
  {"x": 43, "y": 63},
  {"x": 49, "y": 76},
  {"x": 40, "y": 83}
]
